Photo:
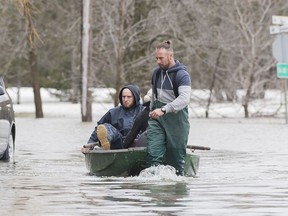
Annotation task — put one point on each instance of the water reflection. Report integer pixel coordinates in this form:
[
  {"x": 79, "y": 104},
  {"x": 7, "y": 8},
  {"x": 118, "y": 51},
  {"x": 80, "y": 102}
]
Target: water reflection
[{"x": 135, "y": 196}]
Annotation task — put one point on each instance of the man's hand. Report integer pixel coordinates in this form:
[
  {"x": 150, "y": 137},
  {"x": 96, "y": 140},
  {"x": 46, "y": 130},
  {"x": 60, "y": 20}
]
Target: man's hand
[{"x": 156, "y": 113}]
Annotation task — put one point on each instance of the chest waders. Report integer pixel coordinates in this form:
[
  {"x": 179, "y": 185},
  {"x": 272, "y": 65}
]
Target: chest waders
[{"x": 167, "y": 138}]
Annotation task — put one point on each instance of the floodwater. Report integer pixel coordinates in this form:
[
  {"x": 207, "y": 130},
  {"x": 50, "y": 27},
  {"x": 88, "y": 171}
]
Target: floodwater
[{"x": 244, "y": 173}]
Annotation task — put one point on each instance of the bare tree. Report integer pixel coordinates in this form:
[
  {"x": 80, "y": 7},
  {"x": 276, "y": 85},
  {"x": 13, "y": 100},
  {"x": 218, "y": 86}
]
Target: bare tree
[
  {"x": 122, "y": 48},
  {"x": 124, "y": 34},
  {"x": 32, "y": 35},
  {"x": 239, "y": 30}
]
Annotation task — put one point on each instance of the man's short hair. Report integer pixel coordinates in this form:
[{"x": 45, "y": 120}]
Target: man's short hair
[{"x": 165, "y": 45}]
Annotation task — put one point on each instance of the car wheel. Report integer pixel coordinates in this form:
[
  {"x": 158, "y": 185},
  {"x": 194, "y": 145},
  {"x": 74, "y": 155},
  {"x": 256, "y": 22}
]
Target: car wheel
[{"x": 9, "y": 152}]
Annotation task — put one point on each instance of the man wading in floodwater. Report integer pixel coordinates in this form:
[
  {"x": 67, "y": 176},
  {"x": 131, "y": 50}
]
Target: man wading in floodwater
[{"x": 168, "y": 127}]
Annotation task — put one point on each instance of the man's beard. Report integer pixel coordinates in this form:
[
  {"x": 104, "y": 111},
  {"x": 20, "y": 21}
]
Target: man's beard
[{"x": 164, "y": 67}]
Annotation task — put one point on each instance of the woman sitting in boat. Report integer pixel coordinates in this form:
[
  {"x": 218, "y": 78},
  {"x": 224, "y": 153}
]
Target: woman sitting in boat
[{"x": 114, "y": 126}]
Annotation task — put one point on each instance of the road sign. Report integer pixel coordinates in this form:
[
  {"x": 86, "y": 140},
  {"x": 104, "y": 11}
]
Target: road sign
[
  {"x": 280, "y": 20},
  {"x": 280, "y": 48},
  {"x": 274, "y": 29},
  {"x": 282, "y": 70}
]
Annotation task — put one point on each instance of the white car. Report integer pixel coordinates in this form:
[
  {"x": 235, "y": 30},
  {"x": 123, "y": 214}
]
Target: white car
[{"x": 7, "y": 124}]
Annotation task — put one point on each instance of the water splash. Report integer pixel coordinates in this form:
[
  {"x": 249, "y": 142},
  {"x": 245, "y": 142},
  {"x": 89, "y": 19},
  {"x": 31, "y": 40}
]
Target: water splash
[{"x": 160, "y": 172}]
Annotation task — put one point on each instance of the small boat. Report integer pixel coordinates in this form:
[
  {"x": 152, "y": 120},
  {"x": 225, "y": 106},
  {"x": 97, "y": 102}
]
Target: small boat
[{"x": 128, "y": 162}]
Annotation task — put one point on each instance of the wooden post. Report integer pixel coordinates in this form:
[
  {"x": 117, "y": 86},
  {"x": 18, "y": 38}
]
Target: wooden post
[{"x": 86, "y": 52}]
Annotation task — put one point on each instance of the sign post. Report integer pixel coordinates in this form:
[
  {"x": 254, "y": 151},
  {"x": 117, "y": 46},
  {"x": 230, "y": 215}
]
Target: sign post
[{"x": 279, "y": 50}]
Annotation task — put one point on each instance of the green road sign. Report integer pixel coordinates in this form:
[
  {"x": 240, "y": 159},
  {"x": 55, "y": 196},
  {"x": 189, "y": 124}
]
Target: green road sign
[{"x": 282, "y": 70}]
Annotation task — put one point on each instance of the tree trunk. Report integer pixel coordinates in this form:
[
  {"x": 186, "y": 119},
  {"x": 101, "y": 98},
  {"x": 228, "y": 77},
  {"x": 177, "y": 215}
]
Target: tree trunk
[
  {"x": 247, "y": 96},
  {"x": 35, "y": 84},
  {"x": 212, "y": 84},
  {"x": 28, "y": 12},
  {"x": 120, "y": 52},
  {"x": 75, "y": 84}
]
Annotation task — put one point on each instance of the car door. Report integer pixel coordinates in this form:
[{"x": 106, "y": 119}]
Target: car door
[{"x": 5, "y": 120}]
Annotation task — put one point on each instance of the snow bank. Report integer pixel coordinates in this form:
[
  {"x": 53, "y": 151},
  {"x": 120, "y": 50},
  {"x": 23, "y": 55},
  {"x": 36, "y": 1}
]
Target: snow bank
[{"x": 272, "y": 105}]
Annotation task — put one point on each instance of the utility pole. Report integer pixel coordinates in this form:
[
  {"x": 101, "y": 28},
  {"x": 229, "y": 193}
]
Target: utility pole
[
  {"x": 86, "y": 57},
  {"x": 279, "y": 50}
]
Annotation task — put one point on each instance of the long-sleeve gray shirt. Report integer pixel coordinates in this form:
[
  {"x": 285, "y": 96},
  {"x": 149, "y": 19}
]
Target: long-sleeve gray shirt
[{"x": 165, "y": 87}]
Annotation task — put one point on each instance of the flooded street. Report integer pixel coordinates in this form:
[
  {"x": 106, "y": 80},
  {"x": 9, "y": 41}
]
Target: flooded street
[{"x": 245, "y": 173}]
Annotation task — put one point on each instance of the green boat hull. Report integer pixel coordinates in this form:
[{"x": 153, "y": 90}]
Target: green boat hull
[{"x": 128, "y": 162}]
